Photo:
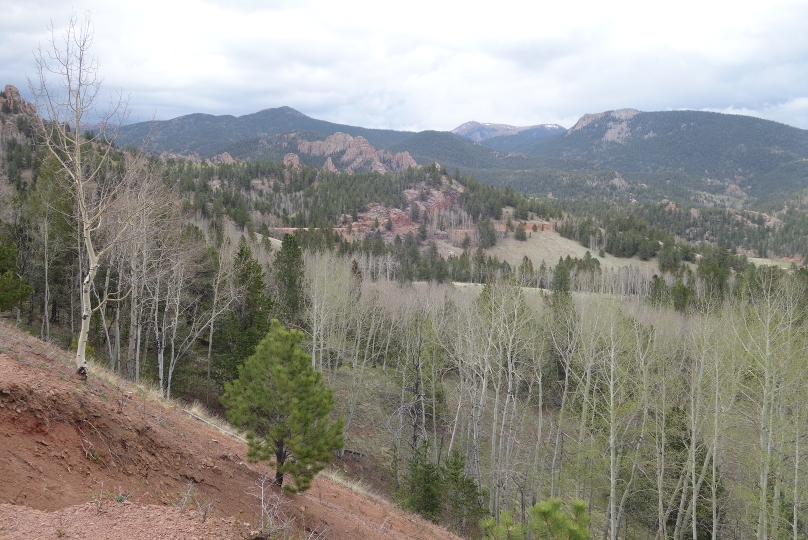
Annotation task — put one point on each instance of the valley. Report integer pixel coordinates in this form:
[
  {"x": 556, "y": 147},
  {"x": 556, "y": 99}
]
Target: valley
[{"x": 611, "y": 315}]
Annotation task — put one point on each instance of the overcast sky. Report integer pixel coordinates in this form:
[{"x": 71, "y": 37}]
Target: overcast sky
[{"x": 433, "y": 64}]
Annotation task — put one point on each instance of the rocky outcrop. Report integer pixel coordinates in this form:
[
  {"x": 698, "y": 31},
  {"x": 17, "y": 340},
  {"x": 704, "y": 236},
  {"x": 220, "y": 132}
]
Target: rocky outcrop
[
  {"x": 291, "y": 159},
  {"x": 617, "y": 128},
  {"x": 336, "y": 143},
  {"x": 361, "y": 156},
  {"x": 191, "y": 158},
  {"x": 619, "y": 182},
  {"x": 357, "y": 154},
  {"x": 13, "y": 103},
  {"x": 397, "y": 162},
  {"x": 329, "y": 165},
  {"x": 224, "y": 157},
  {"x": 585, "y": 120}
]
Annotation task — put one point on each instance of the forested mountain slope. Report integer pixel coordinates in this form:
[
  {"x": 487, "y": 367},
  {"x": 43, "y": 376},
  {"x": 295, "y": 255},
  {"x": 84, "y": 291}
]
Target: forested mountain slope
[
  {"x": 702, "y": 158},
  {"x": 206, "y": 134},
  {"x": 761, "y": 157}
]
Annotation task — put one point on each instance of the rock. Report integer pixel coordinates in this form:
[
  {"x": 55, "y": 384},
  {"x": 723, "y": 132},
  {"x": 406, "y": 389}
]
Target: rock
[
  {"x": 733, "y": 190},
  {"x": 291, "y": 159},
  {"x": 619, "y": 182},
  {"x": 397, "y": 162},
  {"x": 360, "y": 155},
  {"x": 585, "y": 120},
  {"x": 329, "y": 165},
  {"x": 224, "y": 157},
  {"x": 14, "y": 101},
  {"x": 338, "y": 142},
  {"x": 357, "y": 154}
]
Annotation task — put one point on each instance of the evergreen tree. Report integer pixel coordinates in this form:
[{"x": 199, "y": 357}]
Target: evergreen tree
[
  {"x": 461, "y": 498},
  {"x": 288, "y": 273},
  {"x": 488, "y": 236},
  {"x": 424, "y": 484},
  {"x": 246, "y": 325},
  {"x": 549, "y": 522},
  {"x": 520, "y": 233},
  {"x": 286, "y": 406},
  {"x": 506, "y": 529},
  {"x": 13, "y": 289}
]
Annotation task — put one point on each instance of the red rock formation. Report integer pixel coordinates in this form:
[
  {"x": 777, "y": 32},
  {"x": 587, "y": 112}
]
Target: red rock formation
[{"x": 358, "y": 155}]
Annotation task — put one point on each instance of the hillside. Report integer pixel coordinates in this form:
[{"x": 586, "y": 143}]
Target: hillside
[
  {"x": 705, "y": 159},
  {"x": 207, "y": 134},
  {"x": 759, "y": 157},
  {"x": 479, "y": 132},
  {"x": 105, "y": 459},
  {"x": 448, "y": 149}
]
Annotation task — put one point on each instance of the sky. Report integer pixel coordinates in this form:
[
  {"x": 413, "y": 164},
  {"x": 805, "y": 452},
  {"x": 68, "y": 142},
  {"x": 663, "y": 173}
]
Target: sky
[{"x": 431, "y": 64}]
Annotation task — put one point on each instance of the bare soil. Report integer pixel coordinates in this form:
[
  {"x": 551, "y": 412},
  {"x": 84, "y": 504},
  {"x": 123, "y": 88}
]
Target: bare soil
[{"x": 105, "y": 459}]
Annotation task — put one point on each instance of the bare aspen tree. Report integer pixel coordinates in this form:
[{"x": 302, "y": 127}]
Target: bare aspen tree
[
  {"x": 563, "y": 328},
  {"x": 179, "y": 315},
  {"x": 143, "y": 255},
  {"x": 666, "y": 392},
  {"x": 769, "y": 329},
  {"x": 328, "y": 286},
  {"x": 365, "y": 319},
  {"x": 100, "y": 178}
]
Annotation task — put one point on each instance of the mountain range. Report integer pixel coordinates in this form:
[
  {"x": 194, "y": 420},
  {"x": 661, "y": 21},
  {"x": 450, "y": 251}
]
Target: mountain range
[
  {"x": 705, "y": 158},
  {"x": 478, "y": 132}
]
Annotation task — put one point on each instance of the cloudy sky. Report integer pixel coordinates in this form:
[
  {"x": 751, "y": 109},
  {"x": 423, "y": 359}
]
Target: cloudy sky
[{"x": 433, "y": 64}]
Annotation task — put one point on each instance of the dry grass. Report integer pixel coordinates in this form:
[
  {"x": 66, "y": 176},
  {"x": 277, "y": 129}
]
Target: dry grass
[{"x": 357, "y": 486}]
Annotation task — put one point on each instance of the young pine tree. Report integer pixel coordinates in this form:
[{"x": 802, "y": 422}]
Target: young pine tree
[
  {"x": 286, "y": 406},
  {"x": 549, "y": 521}
]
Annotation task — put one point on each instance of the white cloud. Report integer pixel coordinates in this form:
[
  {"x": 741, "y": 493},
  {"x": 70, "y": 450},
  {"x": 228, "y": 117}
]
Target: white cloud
[{"x": 435, "y": 64}]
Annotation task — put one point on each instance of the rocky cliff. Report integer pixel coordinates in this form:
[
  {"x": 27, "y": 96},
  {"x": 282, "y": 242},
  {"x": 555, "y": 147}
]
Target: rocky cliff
[
  {"x": 355, "y": 154},
  {"x": 12, "y": 103}
]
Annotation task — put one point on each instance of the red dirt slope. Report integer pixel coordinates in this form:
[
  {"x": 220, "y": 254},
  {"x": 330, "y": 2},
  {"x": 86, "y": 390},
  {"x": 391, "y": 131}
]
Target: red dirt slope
[{"x": 101, "y": 460}]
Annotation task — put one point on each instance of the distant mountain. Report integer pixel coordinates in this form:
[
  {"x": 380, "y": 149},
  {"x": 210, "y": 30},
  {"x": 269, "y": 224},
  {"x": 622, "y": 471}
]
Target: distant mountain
[
  {"x": 749, "y": 153},
  {"x": 478, "y": 132},
  {"x": 525, "y": 139},
  {"x": 206, "y": 134},
  {"x": 448, "y": 149},
  {"x": 706, "y": 158}
]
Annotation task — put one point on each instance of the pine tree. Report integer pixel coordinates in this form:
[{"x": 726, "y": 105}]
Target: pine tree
[
  {"x": 288, "y": 272},
  {"x": 506, "y": 529},
  {"x": 520, "y": 233},
  {"x": 13, "y": 289},
  {"x": 286, "y": 406},
  {"x": 246, "y": 325},
  {"x": 549, "y": 521}
]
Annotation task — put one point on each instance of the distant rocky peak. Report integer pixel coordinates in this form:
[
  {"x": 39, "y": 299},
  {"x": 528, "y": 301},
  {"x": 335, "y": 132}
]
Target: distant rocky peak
[
  {"x": 478, "y": 131},
  {"x": 616, "y": 115},
  {"x": 615, "y": 123}
]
